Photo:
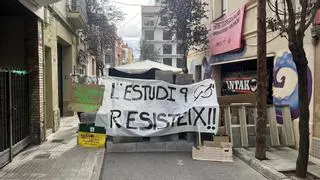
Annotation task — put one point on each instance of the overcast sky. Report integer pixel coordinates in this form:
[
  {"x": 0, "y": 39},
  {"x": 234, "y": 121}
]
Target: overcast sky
[{"x": 130, "y": 28}]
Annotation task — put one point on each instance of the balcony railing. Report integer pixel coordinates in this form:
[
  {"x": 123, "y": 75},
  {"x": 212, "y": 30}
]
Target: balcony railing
[{"x": 78, "y": 7}]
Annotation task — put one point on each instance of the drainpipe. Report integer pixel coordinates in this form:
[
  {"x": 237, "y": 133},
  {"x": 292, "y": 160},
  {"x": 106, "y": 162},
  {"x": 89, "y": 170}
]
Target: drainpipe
[{"x": 10, "y": 118}]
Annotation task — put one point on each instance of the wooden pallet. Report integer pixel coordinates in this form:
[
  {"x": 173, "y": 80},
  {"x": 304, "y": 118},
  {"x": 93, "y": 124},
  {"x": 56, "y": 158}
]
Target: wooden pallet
[
  {"x": 213, "y": 153},
  {"x": 218, "y": 150},
  {"x": 277, "y": 134}
]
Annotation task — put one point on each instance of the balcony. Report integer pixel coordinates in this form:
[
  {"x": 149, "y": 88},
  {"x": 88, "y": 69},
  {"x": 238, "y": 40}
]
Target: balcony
[
  {"x": 150, "y": 10},
  {"x": 38, "y": 3},
  {"x": 83, "y": 58},
  {"x": 77, "y": 13}
]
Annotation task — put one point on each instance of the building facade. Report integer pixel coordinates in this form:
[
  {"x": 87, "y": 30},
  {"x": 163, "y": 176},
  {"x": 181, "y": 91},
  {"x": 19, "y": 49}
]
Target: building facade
[
  {"x": 65, "y": 54},
  {"x": 162, "y": 41},
  {"x": 124, "y": 53},
  {"x": 21, "y": 77},
  {"x": 241, "y": 63},
  {"x": 42, "y": 45}
]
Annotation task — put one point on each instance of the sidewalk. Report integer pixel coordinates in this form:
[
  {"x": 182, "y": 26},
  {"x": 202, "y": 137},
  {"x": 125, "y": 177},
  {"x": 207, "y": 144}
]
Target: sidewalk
[
  {"x": 278, "y": 160},
  {"x": 57, "y": 158}
]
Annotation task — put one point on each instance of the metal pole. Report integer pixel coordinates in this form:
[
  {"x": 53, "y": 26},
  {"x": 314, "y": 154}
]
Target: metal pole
[{"x": 10, "y": 117}]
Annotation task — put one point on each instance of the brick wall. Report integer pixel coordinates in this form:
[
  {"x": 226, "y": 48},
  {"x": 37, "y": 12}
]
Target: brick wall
[{"x": 34, "y": 58}]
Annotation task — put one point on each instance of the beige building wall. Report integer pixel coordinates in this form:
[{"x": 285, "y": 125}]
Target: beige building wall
[
  {"x": 51, "y": 79},
  {"x": 317, "y": 94},
  {"x": 57, "y": 30},
  {"x": 276, "y": 47},
  {"x": 315, "y": 143}
]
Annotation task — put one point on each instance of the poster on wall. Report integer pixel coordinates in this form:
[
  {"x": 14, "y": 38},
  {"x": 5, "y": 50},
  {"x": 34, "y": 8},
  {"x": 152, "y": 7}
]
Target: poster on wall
[
  {"x": 225, "y": 34},
  {"x": 239, "y": 84},
  {"x": 136, "y": 107}
]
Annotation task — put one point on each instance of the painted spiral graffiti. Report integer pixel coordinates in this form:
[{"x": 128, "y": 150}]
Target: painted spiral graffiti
[{"x": 285, "y": 85}]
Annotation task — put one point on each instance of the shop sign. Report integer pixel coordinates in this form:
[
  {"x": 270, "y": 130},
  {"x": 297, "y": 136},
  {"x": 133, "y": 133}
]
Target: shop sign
[
  {"x": 225, "y": 35},
  {"x": 240, "y": 85}
]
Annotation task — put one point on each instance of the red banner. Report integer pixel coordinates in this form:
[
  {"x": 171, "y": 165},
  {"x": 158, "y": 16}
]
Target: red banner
[{"x": 225, "y": 34}]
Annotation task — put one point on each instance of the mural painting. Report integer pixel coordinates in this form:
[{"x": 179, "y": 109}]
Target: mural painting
[{"x": 285, "y": 85}]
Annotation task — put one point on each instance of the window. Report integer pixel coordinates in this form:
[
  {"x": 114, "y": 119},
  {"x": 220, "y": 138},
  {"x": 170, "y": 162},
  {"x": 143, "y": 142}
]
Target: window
[
  {"x": 82, "y": 70},
  {"x": 179, "y": 49},
  {"x": 167, "y": 35},
  {"x": 180, "y": 63},
  {"x": 149, "y": 35},
  {"x": 149, "y": 22},
  {"x": 223, "y": 7},
  {"x": 198, "y": 73},
  {"x": 147, "y": 51},
  {"x": 108, "y": 58},
  {"x": 167, "y": 61},
  {"x": 167, "y": 49}
]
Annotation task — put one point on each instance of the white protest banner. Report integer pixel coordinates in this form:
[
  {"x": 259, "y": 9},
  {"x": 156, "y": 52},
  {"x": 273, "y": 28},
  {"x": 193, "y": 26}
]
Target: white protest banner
[{"x": 135, "y": 107}]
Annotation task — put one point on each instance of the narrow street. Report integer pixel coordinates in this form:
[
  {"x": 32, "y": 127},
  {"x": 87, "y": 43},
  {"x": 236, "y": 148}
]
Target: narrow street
[
  {"x": 159, "y": 89},
  {"x": 172, "y": 166}
]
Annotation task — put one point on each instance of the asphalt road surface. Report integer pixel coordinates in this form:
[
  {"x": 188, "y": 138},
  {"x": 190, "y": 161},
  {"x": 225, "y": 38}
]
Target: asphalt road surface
[{"x": 172, "y": 166}]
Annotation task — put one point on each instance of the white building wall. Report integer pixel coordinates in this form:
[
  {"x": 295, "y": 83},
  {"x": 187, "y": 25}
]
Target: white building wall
[
  {"x": 158, "y": 35},
  {"x": 150, "y": 13},
  {"x": 174, "y": 62}
]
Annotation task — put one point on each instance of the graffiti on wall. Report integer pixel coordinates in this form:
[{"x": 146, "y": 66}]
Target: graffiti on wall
[{"x": 285, "y": 85}]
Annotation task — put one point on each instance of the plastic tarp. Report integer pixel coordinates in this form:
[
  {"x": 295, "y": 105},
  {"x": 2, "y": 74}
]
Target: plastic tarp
[{"x": 142, "y": 66}]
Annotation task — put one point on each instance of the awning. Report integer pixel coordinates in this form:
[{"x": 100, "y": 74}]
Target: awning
[{"x": 214, "y": 62}]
